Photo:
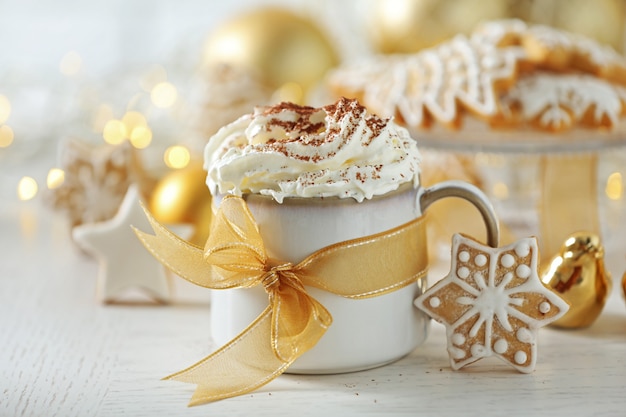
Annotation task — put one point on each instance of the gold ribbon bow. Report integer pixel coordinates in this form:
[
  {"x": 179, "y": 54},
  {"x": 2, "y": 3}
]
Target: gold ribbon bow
[{"x": 235, "y": 257}]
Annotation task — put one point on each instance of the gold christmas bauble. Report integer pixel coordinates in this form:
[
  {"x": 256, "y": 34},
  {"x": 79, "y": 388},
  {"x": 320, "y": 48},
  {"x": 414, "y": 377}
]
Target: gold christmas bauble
[
  {"x": 405, "y": 26},
  {"x": 283, "y": 47},
  {"x": 182, "y": 197}
]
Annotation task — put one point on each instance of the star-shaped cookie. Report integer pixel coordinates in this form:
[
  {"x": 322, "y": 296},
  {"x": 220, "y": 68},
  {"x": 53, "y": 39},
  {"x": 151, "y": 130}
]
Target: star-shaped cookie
[
  {"x": 124, "y": 262},
  {"x": 492, "y": 303}
]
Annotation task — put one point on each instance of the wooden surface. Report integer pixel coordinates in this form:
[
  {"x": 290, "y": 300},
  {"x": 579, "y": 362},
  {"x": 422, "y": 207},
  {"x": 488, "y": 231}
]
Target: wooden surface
[{"x": 63, "y": 354}]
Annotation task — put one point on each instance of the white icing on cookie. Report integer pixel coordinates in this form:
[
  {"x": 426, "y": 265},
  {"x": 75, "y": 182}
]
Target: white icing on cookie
[
  {"x": 559, "y": 101},
  {"x": 480, "y": 260},
  {"x": 520, "y": 357},
  {"x": 458, "y": 339},
  {"x": 522, "y": 249},
  {"x": 522, "y": 271},
  {"x": 507, "y": 260},
  {"x": 544, "y": 307},
  {"x": 478, "y": 350},
  {"x": 463, "y": 272},
  {"x": 500, "y": 346},
  {"x": 524, "y": 335}
]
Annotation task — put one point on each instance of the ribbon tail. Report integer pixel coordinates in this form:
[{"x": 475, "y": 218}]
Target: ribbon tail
[
  {"x": 242, "y": 365},
  {"x": 183, "y": 258}
]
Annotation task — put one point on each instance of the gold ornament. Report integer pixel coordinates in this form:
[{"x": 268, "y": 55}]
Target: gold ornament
[
  {"x": 283, "y": 47},
  {"x": 182, "y": 197},
  {"x": 578, "y": 274},
  {"x": 405, "y": 26}
]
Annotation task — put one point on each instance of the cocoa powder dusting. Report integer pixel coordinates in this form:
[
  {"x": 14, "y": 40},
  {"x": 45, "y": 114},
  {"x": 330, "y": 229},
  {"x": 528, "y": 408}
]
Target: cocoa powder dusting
[{"x": 312, "y": 134}]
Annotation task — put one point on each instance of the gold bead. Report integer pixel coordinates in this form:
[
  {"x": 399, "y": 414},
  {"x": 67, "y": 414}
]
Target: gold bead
[
  {"x": 579, "y": 276},
  {"x": 182, "y": 197},
  {"x": 281, "y": 46}
]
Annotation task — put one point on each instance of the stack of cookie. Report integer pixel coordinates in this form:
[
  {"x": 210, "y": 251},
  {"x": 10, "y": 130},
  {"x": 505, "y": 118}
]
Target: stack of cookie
[{"x": 507, "y": 73}]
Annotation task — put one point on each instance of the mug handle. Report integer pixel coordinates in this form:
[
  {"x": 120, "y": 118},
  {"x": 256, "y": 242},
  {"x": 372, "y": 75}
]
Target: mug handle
[{"x": 469, "y": 192}]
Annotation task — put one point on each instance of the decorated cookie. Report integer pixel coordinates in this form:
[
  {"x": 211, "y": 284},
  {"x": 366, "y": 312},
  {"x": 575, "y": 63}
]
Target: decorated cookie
[
  {"x": 560, "y": 50},
  {"x": 492, "y": 303},
  {"x": 506, "y": 72},
  {"x": 95, "y": 181},
  {"x": 551, "y": 48},
  {"x": 437, "y": 82},
  {"x": 557, "y": 102}
]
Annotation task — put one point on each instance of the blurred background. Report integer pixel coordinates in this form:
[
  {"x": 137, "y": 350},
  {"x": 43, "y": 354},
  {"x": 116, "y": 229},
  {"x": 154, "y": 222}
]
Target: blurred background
[
  {"x": 165, "y": 75},
  {"x": 71, "y": 68}
]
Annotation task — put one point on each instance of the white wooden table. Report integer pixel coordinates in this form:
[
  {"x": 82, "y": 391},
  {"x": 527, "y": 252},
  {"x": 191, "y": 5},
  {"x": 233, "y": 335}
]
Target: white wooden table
[{"x": 63, "y": 354}]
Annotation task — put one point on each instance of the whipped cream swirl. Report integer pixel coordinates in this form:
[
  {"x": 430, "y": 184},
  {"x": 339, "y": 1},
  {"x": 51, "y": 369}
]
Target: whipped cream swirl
[{"x": 288, "y": 150}]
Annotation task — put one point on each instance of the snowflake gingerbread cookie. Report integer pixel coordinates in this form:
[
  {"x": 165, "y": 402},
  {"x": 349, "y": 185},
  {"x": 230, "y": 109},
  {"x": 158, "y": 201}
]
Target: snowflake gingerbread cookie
[{"x": 492, "y": 303}]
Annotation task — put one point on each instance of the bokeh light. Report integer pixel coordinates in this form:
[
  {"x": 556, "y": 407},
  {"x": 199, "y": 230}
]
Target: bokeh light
[
  {"x": 27, "y": 188},
  {"x": 614, "y": 186},
  {"x": 177, "y": 157},
  {"x": 6, "y": 136},
  {"x": 55, "y": 178},
  {"x": 114, "y": 132},
  {"x": 500, "y": 191},
  {"x": 5, "y": 109},
  {"x": 71, "y": 64},
  {"x": 163, "y": 95},
  {"x": 140, "y": 137},
  {"x": 132, "y": 120},
  {"x": 291, "y": 91}
]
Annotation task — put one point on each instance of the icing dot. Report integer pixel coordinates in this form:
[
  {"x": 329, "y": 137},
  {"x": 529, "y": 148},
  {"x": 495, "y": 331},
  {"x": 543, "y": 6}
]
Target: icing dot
[
  {"x": 456, "y": 353},
  {"x": 522, "y": 249},
  {"x": 477, "y": 350},
  {"x": 520, "y": 357},
  {"x": 434, "y": 302},
  {"x": 491, "y": 61},
  {"x": 463, "y": 272},
  {"x": 524, "y": 335},
  {"x": 458, "y": 339},
  {"x": 500, "y": 346},
  {"x": 544, "y": 307},
  {"x": 464, "y": 256},
  {"x": 523, "y": 271},
  {"x": 480, "y": 260},
  {"x": 507, "y": 260}
]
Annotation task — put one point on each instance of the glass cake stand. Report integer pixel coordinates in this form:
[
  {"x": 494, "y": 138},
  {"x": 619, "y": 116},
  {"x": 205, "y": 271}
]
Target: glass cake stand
[
  {"x": 531, "y": 176},
  {"x": 476, "y": 136}
]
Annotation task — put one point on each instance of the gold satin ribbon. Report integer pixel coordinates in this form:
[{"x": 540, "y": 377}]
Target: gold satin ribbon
[
  {"x": 234, "y": 257},
  {"x": 568, "y": 202}
]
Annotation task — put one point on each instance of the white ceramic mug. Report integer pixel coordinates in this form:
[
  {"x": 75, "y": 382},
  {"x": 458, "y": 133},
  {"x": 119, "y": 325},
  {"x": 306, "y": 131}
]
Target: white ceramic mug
[{"x": 365, "y": 333}]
